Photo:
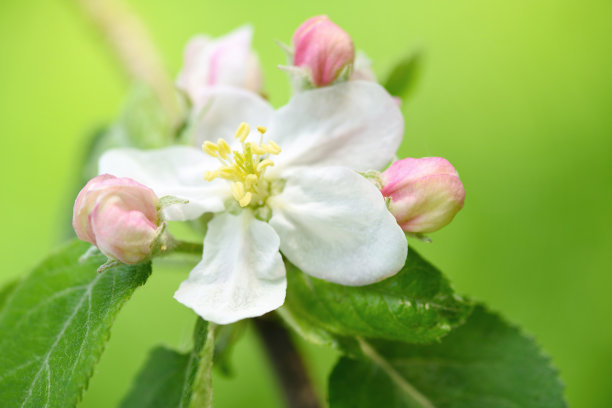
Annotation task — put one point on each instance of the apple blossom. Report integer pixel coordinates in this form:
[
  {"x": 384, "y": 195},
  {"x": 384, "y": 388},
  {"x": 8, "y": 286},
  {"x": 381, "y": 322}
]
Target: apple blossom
[
  {"x": 290, "y": 185},
  {"x": 425, "y": 194},
  {"x": 323, "y": 48},
  {"x": 119, "y": 216},
  {"x": 225, "y": 61}
]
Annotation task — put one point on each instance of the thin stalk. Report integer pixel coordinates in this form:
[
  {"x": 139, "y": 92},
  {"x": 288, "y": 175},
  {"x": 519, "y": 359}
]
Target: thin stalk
[
  {"x": 287, "y": 363},
  {"x": 187, "y": 247}
]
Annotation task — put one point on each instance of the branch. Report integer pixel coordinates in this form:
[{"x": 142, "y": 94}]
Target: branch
[{"x": 287, "y": 363}]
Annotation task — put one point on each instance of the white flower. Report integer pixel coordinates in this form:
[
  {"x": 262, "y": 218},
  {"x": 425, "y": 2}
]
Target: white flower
[
  {"x": 225, "y": 61},
  {"x": 308, "y": 201}
]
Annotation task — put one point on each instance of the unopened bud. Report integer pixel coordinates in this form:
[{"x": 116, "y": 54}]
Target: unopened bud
[
  {"x": 323, "y": 48},
  {"x": 119, "y": 216},
  {"x": 226, "y": 61},
  {"x": 425, "y": 194}
]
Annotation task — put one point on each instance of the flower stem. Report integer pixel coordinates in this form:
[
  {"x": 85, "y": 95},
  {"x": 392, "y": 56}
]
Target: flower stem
[
  {"x": 288, "y": 365},
  {"x": 187, "y": 247}
]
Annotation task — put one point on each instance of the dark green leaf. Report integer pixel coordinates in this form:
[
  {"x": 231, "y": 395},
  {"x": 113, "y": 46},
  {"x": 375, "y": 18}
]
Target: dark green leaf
[
  {"x": 168, "y": 378},
  {"x": 55, "y": 324},
  {"x": 485, "y": 363},
  {"x": 416, "y": 305},
  {"x": 402, "y": 80}
]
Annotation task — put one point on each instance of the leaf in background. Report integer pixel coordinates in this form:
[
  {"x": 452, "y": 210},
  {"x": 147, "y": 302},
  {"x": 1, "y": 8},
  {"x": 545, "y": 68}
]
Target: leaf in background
[
  {"x": 485, "y": 363},
  {"x": 54, "y": 326},
  {"x": 142, "y": 123},
  {"x": 168, "y": 377},
  {"x": 6, "y": 290},
  {"x": 226, "y": 337},
  {"x": 404, "y": 76},
  {"x": 417, "y": 305}
]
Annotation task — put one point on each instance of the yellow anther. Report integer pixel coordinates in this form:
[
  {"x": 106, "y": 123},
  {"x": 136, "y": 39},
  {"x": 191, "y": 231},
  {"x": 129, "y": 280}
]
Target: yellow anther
[
  {"x": 211, "y": 175},
  {"x": 224, "y": 149},
  {"x": 228, "y": 173},
  {"x": 258, "y": 150},
  {"x": 244, "y": 168},
  {"x": 243, "y": 131},
  {"x": 238, "y": 190},
  {"x": 263, "y": 164},
  {"x": 210, "y": 149},
  {"x": 250, "y": 181},
  {"x": 244, "y": 201},
  {"x": 273, "y": 147}
]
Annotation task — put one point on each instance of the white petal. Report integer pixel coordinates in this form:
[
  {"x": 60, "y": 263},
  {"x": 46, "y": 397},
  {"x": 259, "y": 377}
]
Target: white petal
[
  {"x": 226, "y": 108},
  {"x": 227, "y": 60},
  {"x": 176, "y": 171},
  {"x": 334, "y": 225},
  {"x": 242, "y": 273},
  {"x": 355, "y": 124}
]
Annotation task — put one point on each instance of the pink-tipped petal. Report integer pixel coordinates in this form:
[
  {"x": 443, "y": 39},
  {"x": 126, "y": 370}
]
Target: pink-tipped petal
[
  {"x": 425, "y": 194},
  {"x": 119, "y": 216},
  {"x": 324, "y": 48}
]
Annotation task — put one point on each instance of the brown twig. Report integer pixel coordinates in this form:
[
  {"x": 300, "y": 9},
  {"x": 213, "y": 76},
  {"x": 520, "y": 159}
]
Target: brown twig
[{"x": 290, "y": 370}]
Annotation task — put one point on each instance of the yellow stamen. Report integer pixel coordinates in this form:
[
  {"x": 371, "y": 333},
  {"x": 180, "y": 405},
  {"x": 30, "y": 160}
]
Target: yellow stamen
[
  {"x": 224, "y": 149},
  {"x": 250, "y": 181},
  {"x": 273, "y": 147},
  {"x": 264, "y": 163},
  {"x": 210, "y": 149},
  {"x": 244, "y": 201},
  {"x": 243, "y": 131},
  {"x": 258, "y": 150},
  {"x": 211, "y": 175},
  {"x": 238, "y": 190},
  {"x": 243, "y": 169}
]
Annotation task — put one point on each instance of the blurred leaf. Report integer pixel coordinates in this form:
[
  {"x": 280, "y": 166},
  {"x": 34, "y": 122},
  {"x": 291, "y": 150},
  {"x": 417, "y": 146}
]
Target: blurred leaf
[
  {"x": 142, "y": 123},
  {"x": 6, "y": 290},
  {"x": 404, "y": 76},
  {"x": 484, "y": 363},
  {"x": 416, "y": 305},
  {"x": 55, "y": 324},
  {"x": 226, "y": 337},
  {"x": 168, "y": 377}
]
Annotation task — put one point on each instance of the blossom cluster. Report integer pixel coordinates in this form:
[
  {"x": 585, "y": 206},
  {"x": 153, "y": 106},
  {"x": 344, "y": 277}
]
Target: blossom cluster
[{"x": 307, "y": 181}]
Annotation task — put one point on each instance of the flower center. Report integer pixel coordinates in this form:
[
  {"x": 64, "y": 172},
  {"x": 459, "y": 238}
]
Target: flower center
[{"x": 244, "y": 169}]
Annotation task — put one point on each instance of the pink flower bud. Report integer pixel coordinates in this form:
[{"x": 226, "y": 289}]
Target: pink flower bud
[
  {"x": 225, "y": 61},
  {"x": 119, "y": 216},
  {"x": 324, "y": 48},
  {"x": 425, "y": 193}
]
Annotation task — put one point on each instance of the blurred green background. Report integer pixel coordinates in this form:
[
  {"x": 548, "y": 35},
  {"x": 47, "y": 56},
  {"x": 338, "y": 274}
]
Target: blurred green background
[{"x": 517, "y": 95}]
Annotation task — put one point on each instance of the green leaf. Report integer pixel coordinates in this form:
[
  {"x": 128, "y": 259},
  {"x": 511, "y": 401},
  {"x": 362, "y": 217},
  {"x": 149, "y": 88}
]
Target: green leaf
[
  {"x": 226, "y": 337},
  {"x": 5, "y": 292},
  {"x": 416, "y": 305},
  {"x": 485, "y": 363},
  {"x": 170, "y": 379},
  {"x": 402, "y": 80},
  {"x": 55, "y": 324}
]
